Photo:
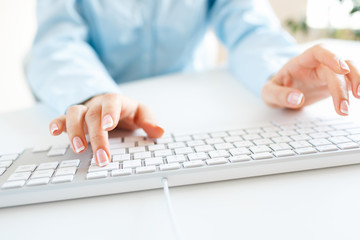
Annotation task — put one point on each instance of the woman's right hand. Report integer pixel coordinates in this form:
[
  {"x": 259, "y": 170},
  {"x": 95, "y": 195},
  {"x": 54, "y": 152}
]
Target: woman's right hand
[{"x": 99, "y": 115}]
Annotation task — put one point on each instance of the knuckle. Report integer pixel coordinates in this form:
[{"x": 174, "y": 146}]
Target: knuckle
[
  {"x": 97, "y": 139},
  {"x": 74, "y": 109},
  {"x": 91, "y": 115},
  {"x": 111, "y": 96}
]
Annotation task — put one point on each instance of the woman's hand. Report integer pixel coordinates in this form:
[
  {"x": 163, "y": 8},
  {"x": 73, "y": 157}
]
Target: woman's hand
[
  {"x": 310, "y": 77},
  {"x": 99, "y": 115}
]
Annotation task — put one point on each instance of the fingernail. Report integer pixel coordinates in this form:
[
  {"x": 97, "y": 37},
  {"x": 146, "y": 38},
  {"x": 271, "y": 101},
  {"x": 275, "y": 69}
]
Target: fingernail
[
  {"x": 344, "y": 107},
  {"x": 78, "y": 144},
  {"x": 295, "y": 98},
  {"x": 107, "y": 122},
  {"x": 343, "y": 65},
  {"x": 53, "y": 128},
  {"x": 102, "y": 158},
  {"x": 358, "y": 91}
]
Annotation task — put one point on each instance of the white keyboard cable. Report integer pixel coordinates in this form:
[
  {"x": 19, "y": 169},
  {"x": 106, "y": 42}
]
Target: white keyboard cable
[{"x": 174, "y": 225}]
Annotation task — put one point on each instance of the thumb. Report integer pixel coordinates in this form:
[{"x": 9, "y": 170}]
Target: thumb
[
  {"x": 145, "y": 120},
  {"x": 276, "y": 95}
]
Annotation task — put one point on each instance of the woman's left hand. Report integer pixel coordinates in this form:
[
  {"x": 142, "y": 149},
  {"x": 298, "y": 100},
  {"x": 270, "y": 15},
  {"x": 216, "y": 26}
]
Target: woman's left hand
[{"x": 312, "y": 76}]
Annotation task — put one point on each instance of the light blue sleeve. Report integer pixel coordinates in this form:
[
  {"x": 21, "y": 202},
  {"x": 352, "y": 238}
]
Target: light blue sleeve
[
  {"x": 257, "y": 45},
  {"x": 64, "y": 69}
]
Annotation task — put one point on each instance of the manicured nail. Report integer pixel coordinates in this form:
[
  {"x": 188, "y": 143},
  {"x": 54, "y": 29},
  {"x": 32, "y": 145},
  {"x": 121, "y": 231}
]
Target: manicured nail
[
  {"x": 358, "y": 91},
  {"x": 344, "y": 107},
  {"x": 107, "y": 122},
  {"x": 78, "y": 144},
  {"x": 53, "y": 128},
  {"x": 295, "y": 98},
  {"x": 343, "y": 65},
  {"x": 102, "y": 158}
]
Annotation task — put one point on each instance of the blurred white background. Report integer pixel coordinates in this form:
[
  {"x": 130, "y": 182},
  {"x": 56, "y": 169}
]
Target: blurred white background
[{"x": 18, "y": 26}]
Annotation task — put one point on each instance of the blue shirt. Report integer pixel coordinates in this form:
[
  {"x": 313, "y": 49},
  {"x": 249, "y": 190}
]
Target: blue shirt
[{"x": 86, "y": 47}]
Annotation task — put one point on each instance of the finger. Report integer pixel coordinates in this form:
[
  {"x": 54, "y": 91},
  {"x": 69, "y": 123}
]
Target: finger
[
  {"x": 276, "y": 95},
  {"x": 145, "y": 119},
  {"x": 98, "y": 137},
  {"x": 57, "y": 126},
  {"x": 354, "y": 77},
  {"x": 75, "y": 127},
  {"x": 338, "y": 89},
  {"x": 317, "y": 55},
  {"x": 111, "y": 108}
]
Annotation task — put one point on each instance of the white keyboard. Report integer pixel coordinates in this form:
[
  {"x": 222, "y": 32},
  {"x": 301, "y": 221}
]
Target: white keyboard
[{"x": 51, "y": 173}]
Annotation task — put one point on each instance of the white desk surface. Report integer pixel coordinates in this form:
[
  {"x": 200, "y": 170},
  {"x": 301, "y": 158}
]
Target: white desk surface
[{"x": 318, "y": 204}]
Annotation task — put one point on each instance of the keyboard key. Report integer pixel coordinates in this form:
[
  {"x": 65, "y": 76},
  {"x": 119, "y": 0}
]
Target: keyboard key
[
  {"x": 66, "y": 171},
  {"x": 175, "y": 159},
  {"x": 307, "y": 150},
  {"x": 26, "y": 168},
  {"x": 305, "y": 130},
  {"x": 164, "y": 140},
  {"x": 212, "y": 141},
  {"x": 349, "y": 145},
  {"x": 70, "y": 163},
  {"x": 216, "y": 161},
  {"x": 176, "y": 145},
  {"x": 327, "y": 148},
  {"x": 223, "y": 146},
  {"x": 19, "y": 176},
  {"x": 57, "y": 152},
  {"x": 62, "y": 179},
  {"x": 204, "y": 148},
  {"x": 122, "y": 145},
  {"x": 121, "y": 158},
  {"x": 254, "y": 130},
  {"x": 233, "y": 139},
  {"x": 236, "y": 132},
  {"x": 338, "y": 140},
  {"x": 38, "y": 181},
  {"x": 153, "y": 161},
  {"x": 219, "y": 153},
  {"x": 284, "y": 153},
  {"x": 182, "y": 138},
  {"x": 39, "y": 148},
  {"x": 281, "y": 139},
  {"x": 195, "y": 143},
  {"x": 9, "y": 157},
  {"x": 109, "y": 167},
  {"x": 259, "y": 142},
  {"x": 13, "y": 184},
  {"x": 243, "y": 144},
  {"x": 42, "y": 173},
  {"x": 121, "y": 172},
  {"x": 136, "y": 149},
  {"x": 132, "y": 164},
  {"x": 260, "y": 149},
  {"x": 11, "y": 151},
  {"x": 355, "y": 137},
  {"x": 300, "y": 144},
  {"x": 269, "y": 134},
  {"x": 260, "y": 156},
  {"x": 287, "y": 133},
  {"x": 239, "y": 158},
  {"x": 5, "y": 164},
  {"x": 48, "y": 165},
  {"x": 163, "y": 153},
  {"x": 280, "y": 146},
  {"x": 191, "y": 164},
  {"x": 184, "y": 150},
  {"x": 96, "y": 175},
  {"x": 197, "y": 156},
  {"x": 146, "y": 169},
  {"x": 239, "y": 151},
  {"x": 201, "y": 136},
  {"x": 251, "y": 136},
  {"x": 319, "y": 142},
  {"x": 156, "y": 147},
  {"x": 60, "y": 146},
  {"x": 142, "y": 155},
  {"x": 319, "y": 135},
  {"x": 118, "y": 151},
  {"x": 169, "y": 166},
  {"x": 300, "y": 137},
  {"x": 338, "y": 133},
  {"x": 219, "y": 134},
  {"x": 2, "y": 170}
]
